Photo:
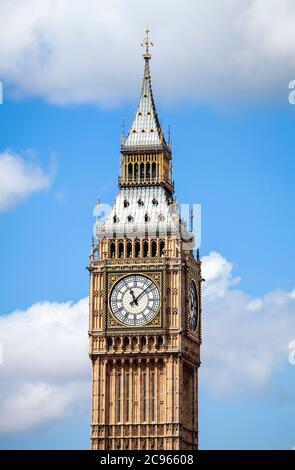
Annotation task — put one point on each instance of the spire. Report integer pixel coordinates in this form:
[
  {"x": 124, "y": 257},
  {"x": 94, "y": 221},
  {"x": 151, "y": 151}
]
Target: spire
[
  {"x": 91, "y": 256},
  {"x": 145, "y": 130}
]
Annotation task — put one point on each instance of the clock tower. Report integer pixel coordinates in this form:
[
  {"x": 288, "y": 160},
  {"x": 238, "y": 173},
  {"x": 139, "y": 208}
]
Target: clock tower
[{"x": 144, "y": 301}]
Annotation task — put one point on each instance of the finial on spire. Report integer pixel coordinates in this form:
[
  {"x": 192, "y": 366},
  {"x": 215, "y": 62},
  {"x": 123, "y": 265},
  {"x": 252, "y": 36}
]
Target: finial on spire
[
  {"x": 91, "y": 256},
  {"x": 191, "y": 220},
  {"x": 123, "y": 132},
  {"x": 147, "y": 43}
]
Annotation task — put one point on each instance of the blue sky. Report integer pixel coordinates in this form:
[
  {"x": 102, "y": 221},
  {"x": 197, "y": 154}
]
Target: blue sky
[{"x": 236, "y": 158}]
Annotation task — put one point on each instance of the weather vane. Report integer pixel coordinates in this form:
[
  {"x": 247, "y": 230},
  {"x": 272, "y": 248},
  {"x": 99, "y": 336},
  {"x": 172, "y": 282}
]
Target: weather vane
[{"x": 147, "y": 43}]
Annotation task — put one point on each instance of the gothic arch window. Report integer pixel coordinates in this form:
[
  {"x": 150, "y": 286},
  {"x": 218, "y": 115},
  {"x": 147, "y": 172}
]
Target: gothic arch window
[
  {"x": 154, "y": 170},
  {"x": 142, "y": 171},
  {"x": 130, "y": 171},
  {"x": 117, "y": 343},
  {"x": 126, "y": 203},
  {"x": 130, "y": 218},
  {"x": 110, "y": 343},
  {"x": 159, "y": 342},
  {"x": 134, "y": 343},
  {"x": 151, "y": 342},
  {"x": 140, "y": 202},
  {"x": 137, "y": 248},
  {"x": 115, "y": 219},
  {"x": 145, "y": 248},
  {"x": 154, "y": 248},
  {"x": 146, "y": 218},
  {"x": 126, "y": 342},
  {"x": 129, "y": 248},
  {"x": 155, "y": 202},
  {"x": 135, "y": 171},
  {"x": 121, "y": 249},
  {"x": 162, "y": 247},
  {"x": 142, "y": 341},
  {"x": 112, "y": 248},
  {"x": 148, "y": 170}
]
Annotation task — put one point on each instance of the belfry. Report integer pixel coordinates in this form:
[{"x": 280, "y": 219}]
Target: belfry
[{"x": 144, "y": 301}]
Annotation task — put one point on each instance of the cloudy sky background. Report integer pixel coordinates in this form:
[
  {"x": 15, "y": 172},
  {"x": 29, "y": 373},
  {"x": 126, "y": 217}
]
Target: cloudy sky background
[{"x": 71, "y": 72}]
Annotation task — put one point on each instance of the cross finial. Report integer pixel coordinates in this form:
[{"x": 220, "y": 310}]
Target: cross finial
[{"x": 147, "y": 43}]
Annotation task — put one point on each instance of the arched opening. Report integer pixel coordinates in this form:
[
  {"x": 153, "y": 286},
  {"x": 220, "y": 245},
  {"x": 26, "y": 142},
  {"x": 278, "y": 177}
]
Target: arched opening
[
  {"x": 121, "y": 249},
  {"x": 126, "y": 342},
  {"x": 130, "y": 171},
  {"x": 112, "y": 248},
  {"x": 142, "y": 341},
  {"x": 129, "y": 248},
  {"x": 110, "y": 343},
  {"x": 141, "y": 171},
  {"x": 148, "y": 170},
  {"x": 145, "y": 248},
  {"x": 159, "y": 342},
  {"x": 154, "y": 248},
  {"x": 137, "y": 248},
  {"x": 134, "y": 343},
  {"x": 154, "y": 170},
  {"x": 146, "y": 218},
  {"x": 117, "y": 343},
  {"x": 162, "y": 247},
  {"x": 135, "y": 171},
  {"x": 151, "y": 342}
]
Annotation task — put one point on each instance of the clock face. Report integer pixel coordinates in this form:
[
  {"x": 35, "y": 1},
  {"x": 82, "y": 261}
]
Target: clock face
[
  {"x": 135, "y": 300},
  {"x": 193, "y": 307}
]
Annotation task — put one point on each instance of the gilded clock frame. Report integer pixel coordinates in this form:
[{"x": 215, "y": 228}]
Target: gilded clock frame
[
  {"x": 193, "y": 274},
  {"x": 156, "y": 276}
]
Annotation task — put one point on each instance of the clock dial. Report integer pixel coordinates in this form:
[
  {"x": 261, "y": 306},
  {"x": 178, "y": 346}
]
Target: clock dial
[
  {"x": 135, "y": 300},
  {"x": 193, "y": 307}
]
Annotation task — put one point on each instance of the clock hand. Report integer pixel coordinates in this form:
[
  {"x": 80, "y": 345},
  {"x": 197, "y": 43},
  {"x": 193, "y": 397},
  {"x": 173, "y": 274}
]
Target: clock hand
[
  {"x": 134, "y": 301},
  {"x": 141, "y": 294}
]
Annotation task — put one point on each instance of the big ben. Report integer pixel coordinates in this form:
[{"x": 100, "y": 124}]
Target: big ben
[{"x": 144, "y": 301}]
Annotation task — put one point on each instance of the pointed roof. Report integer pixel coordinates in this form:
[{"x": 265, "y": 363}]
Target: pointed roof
[{"x": 145, "y": 130}]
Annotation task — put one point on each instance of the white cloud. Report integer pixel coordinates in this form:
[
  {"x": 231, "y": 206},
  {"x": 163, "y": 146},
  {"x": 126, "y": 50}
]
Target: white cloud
[
  {"x": 88, "y": 50},
  {"x": 19, "y": 177},
  {"x": 46, "y": 370},
  {"x": 45, "y": 375},
  {"x": 245, "y": 339},
  {"x": 33, "y": 404}
]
